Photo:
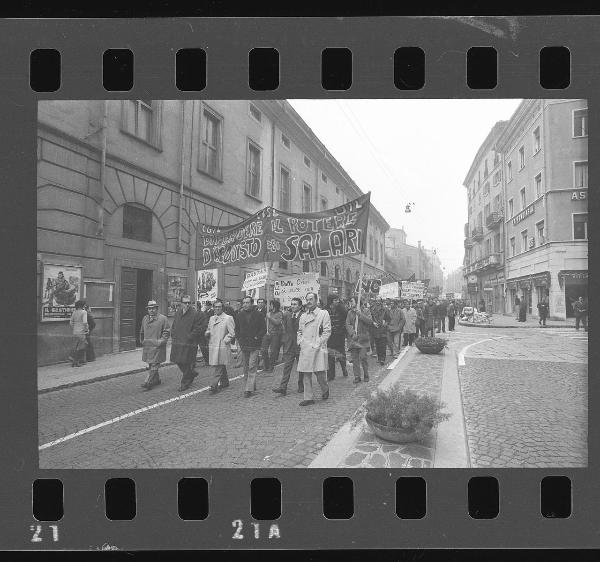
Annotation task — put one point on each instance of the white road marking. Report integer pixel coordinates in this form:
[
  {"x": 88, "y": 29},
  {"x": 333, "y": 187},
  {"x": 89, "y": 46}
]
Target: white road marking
[
  {"x": 125, "y": 416},
  {"x": 397, "y": 360},
  {"x": 461, "y": 353}
]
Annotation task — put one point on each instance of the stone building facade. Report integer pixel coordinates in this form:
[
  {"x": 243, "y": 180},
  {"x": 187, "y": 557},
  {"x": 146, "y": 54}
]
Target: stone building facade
[{"x": 122, "y": 185}]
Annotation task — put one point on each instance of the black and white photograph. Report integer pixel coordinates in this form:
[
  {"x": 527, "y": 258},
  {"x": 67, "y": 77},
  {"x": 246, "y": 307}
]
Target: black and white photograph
[{"x": 312, "y": 283}]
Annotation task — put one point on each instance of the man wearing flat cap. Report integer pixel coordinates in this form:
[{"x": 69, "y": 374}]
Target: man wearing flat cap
[
  {"x": 154, "y": 335},
  {"x": 185, "y": 333}
]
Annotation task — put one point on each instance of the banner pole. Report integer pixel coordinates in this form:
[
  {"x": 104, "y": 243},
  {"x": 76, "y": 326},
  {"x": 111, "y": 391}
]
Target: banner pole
[
  {"x": 267, "y": 287},
  {"x": 360, "y": 278}
]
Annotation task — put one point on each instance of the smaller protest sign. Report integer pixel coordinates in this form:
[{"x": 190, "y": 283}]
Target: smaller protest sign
[
  {"x": 412, "y": 290},
  {"x": 369, "y": 286},
  {"x": 286, "y": 288},
  {"x": 255, "y": 279},
  {"x": 389, "y": 290},
  {"x": 207, "y": 285}
]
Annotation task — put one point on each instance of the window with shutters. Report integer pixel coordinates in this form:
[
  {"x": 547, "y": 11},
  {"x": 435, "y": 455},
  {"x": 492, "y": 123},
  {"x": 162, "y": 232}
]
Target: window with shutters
[
  {"x": 521, "y": 158},
  {"x": 253, "y": 175},
  {"x": 537, "y": 141},
  {"x": 306, "y": 198},
  {"x": 581, "y": 174},
  {"x": 538, "y": 185},
  {"x": 211, "y": 143},
  {"x": 285, "y": 141},
  {"x": 511, "y": 208},
  {"x": 524, "y": 241},
  {"x": 580, "y": 226},
  {"x": 284, "y": 189},
  {"x": 523, "y": 199},
  {"x": 143, "y": 120},
  {"x": 539, "y": 227},
  {"x": 580, "y": 123}
]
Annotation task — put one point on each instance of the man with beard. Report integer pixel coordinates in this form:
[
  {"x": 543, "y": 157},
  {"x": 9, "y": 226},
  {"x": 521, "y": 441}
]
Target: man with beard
[
  {"x": 337, "y": 341},
  {"x": 291, "y": 351}
]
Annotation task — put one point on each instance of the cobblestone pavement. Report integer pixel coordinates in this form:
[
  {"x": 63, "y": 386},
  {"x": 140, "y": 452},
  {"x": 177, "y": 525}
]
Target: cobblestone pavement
[
  {"x": 224, "y": 430},
  {"x": 525, "y": 398}
]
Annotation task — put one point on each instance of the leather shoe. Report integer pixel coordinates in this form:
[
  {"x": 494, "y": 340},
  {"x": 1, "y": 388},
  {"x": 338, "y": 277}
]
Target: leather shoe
[
  {"x": 300, "y": 390},
  {"x": 356, "y": 381},
  {"x": 184, "y": 387},
  {"x": 281, "y": 391},
  {"x": 325, "y": 395},
  {"x": 307, "y": 402},
  {"x": 247, "y": 394},
  {"x": 366, "y": 379},
  {"x": 214, "y": 389}
]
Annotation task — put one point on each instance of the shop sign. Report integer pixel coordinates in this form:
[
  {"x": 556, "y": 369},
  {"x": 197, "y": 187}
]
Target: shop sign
[
  {"x": 524, "y": 214},
  {"x": 579, "y": 196}
]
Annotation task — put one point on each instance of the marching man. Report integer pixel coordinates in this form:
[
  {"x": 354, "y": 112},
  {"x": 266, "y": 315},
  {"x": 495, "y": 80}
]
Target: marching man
[{"x": 154, "y": 335}]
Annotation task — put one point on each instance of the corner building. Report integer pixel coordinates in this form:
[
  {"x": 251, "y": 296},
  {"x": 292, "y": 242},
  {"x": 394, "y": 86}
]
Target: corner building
[{"x": 123, "y": 184}]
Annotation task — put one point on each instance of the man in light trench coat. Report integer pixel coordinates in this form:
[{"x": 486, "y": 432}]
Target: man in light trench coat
[
  {"x": 314, "y": 329},
  {"x": 220, "y": 333},
  {"x": 154, "y": 335}
]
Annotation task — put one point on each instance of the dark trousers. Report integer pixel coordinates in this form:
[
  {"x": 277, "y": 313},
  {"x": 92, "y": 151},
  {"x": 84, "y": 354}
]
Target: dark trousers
[
  {"x": 583, "y": 320},
  {"x": 187, "y": 372},
  {"x": 204, "y": 351},
  {"x": 543, "y": 320},
  {"x": 409, "y": 338},
  {"x": 264, "y": 353},
  {"x": 451, "y": 321},
  {"x": 359, "y": 359},
  {"x": 381, "y": 345},
  {"x": 391, "y": 340},
  {"x": 274, "y": 347},
  {"x": 427, "y": 331},
  {"x": 419, "y": 327},
  {"x": 336, "y": 353},
  {"x": 90, "y": 354}
]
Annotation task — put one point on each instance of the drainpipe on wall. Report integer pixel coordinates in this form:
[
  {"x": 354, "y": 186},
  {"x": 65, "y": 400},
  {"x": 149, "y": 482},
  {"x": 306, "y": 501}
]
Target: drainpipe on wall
[
  {"x": 179, "y": 216},
  {"x": 100, "y": 230},
  {"x": 190, "y": 178}
]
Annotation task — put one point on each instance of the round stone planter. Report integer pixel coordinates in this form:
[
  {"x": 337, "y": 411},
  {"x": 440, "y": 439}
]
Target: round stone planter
[
  {"x": 394, "y": 434},
  {"x": 429, "y": 347}
]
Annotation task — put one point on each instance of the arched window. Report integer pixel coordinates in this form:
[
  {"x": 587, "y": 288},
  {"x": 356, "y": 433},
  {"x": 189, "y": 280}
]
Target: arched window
[
  {"x": 337, "y": 272},
  {"x": 323, "y": 269}
]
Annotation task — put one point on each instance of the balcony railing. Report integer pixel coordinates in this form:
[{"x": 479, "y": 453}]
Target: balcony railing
[
  {"x": 477, "y": 233},
  {"x": 469, "y": 243},
  {"x": 466, "y": 230},
  {"x": 492, "y": 261},
  {"x": 494, "y": 219}
]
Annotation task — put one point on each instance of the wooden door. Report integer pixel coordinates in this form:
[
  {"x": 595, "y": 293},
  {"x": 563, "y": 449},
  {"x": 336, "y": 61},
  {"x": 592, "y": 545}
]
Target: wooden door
[{"x": 127, "y": 322}]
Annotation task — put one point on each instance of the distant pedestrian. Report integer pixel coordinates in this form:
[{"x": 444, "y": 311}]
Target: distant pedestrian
[
  {"x": 580, "y": 310},
  {"x": 420, "y": 320},
  {"x": 481, "y": 305},
  {"x": 220, "y": 333},
  {"x": 90, "y": 354},
  {"x": 274, "y": 321},
  {"x": 451, "y": 312},
  {"x": 397, "y": 324},
  {"x": 358, "y": 339},
  {"x": 250, "y": 327},
  {"x": 185, "y": 333},
  {"x": 314, "y": 329},
  {"x": 80, "y": 329},
  {"x": 291, "y": 351},
  {"x": 518, "y": 307},
  {"x": 428, "y": 315},
  {"x": 523, "y": 310},
  {"x": 542, "y": 307},
  {"x": 154, "y": 334},
  {"x": 336, "y": 345},
  {"x": 410, "y": 328}
]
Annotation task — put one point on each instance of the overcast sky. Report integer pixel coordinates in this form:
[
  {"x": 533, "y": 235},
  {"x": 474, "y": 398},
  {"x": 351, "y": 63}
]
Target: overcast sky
[{"x": 410, "y": 151}]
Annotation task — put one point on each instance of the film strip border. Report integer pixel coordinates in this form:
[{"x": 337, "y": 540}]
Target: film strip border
[{"x": 523, "y": 518}]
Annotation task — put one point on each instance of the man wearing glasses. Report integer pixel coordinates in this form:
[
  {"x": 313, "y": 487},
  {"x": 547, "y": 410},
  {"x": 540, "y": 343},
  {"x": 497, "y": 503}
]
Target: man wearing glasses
[{"x": 220, "y": 333}]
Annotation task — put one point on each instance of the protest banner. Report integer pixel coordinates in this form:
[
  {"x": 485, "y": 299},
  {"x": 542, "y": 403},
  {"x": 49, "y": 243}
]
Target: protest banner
[
  {"x": 412, "y": 290},
  {"x": 390, "y": 290},
  {"x": 372, "y": 286},
  {"x": 285, "y": 288},
  {"x": 270, "y": 235},
  {"x": 255, "y": 279}
]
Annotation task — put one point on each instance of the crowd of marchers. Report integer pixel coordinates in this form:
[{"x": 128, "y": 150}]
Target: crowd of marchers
[{"x": 311, "y": 336}]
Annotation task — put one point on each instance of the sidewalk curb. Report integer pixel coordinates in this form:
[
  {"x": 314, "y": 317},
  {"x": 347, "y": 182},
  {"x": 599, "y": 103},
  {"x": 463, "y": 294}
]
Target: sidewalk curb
[
  {"x": 97, "y": 379},
  {"x": 472, "y": 325}
]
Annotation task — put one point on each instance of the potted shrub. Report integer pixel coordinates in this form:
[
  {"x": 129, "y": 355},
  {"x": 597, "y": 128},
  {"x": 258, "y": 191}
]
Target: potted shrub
[
  {"x": 430, "y": 345},
  {"x": 402, "y": 416}
]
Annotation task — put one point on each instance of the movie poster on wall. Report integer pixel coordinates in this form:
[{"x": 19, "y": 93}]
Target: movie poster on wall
[
  {"x": 207, "y": 285},
  {"x": 176, "y": 289},
  {"x": 61, "y": 288}
]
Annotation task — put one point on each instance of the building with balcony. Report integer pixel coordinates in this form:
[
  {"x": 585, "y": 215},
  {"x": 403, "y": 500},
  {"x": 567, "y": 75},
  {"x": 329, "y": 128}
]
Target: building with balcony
[
  {"x": 127, "y": 214},
  {"x": 484, "y": 248},
  {"x": 545, "y": 163}
]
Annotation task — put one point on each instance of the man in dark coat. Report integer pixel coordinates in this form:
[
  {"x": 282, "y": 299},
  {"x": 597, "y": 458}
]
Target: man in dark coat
[
  {"x": 291, "y": 350},
  {"x": 250, "y": 328},
  {"x": 580, "y": 310},
  {"x": 185, "y": 332},
  {"x": 336, "y": 345}
]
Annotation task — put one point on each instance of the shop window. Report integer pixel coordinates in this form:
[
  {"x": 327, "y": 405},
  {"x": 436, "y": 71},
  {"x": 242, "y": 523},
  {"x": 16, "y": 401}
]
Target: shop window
[
  {"x": 137, "y": 223},
  {"x": 580, "y": 226}
]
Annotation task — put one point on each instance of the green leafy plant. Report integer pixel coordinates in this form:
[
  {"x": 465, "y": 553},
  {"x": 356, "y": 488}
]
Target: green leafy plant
[{"x": 405, "y": 410}]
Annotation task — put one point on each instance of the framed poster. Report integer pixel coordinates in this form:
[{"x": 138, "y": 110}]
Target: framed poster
[
  {"x": 61, "y": 288},
  {"x": 176, "y": 288},
  {"x": 207, "y": 285}
]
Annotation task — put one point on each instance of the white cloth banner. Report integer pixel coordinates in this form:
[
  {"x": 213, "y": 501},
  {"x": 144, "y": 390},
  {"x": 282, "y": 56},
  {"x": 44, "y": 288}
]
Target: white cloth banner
[
  {"x": 255, "y": 279},
  {"x": 389, "y": 291},
  {"x": 412, "y": 290},
  {"x": 286, "y": 288}
]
